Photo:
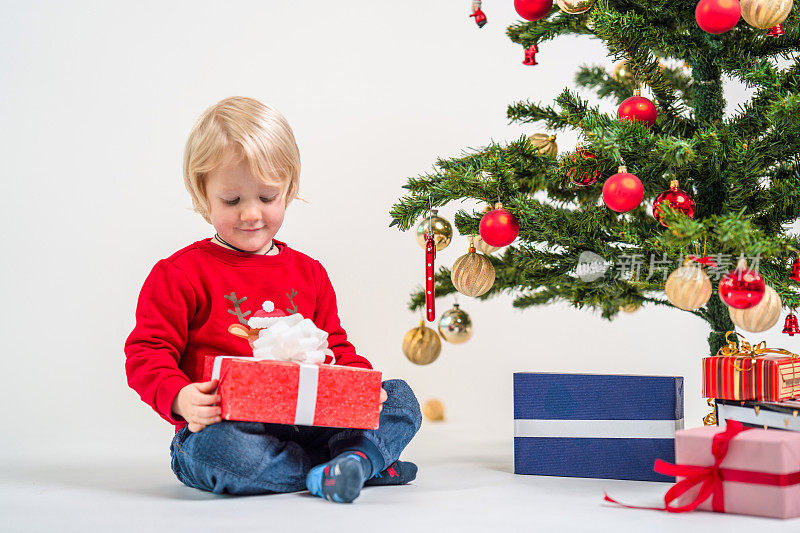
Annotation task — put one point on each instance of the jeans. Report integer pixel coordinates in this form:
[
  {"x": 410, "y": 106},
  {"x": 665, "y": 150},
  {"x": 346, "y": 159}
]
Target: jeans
[{"x": 257, "y": 458}]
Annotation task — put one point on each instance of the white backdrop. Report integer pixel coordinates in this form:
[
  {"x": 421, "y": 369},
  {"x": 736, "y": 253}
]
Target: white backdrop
[{"x": 96, "y": 101}]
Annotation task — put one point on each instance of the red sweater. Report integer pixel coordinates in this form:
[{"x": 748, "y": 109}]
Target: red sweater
[{"x": 190, "y": 299}]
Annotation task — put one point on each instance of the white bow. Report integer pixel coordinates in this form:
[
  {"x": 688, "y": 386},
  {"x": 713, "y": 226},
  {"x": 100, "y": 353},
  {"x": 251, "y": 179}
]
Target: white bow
[{"x": 292, "y": 338}]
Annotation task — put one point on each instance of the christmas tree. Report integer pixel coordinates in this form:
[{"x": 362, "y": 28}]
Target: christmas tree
[{"x": 741, "y": 170}]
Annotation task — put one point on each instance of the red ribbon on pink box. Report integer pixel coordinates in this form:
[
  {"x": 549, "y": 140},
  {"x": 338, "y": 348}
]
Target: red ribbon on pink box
[{"x": 741, "y": 470}]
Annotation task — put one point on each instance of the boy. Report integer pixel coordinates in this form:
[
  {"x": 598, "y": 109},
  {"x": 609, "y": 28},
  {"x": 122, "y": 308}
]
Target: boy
[{"x": 241, "y": 168}]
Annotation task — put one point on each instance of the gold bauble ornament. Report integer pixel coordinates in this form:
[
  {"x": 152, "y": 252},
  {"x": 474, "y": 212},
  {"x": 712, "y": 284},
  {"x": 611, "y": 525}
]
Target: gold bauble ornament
[
  {"x": 631, "y": 307},
  {"x": 760, "y": 317},
  {"x": 421, "y": 345},
  {"x": 455, "y": 326},
  {"x": 622, "y": 73},
  {"x": 433, "y": 410},
  {"x": 544, "y": 144},
  {"x": 472, "y": 273},
  {"x": 765, "y": 14},
  {"x": 442, "y": 231},
  {"x": 574, "y": 7},
  {"x": 688, "y": 287},
  {"x": 481, "y": 246}
]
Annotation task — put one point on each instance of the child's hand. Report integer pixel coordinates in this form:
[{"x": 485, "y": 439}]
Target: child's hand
[
  {"x": 198, "y": 405},
  {"x": 383, "y": 398}
]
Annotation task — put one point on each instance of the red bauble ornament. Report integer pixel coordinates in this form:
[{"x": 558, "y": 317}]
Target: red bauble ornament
[
  {"x": 639, "y": 108},
  {"x": 795, "y": 275},
  {"x": 533, "y": 9},
  {"x": 678, "y": 199},
  {"x": 498, "y": 227},
  {"x": 587, "y": 178},
  {"x": 790, "y": 326},
  {"x": 623, "y": 191},
  {"x": 717, "y": 16},
  {"x": 741, "y": 288}
]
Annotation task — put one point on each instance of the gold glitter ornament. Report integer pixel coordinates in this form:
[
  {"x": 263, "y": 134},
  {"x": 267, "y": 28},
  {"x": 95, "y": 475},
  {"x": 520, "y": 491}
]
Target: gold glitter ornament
[
  {"x": 760, "y": 317},
  {"x": 472, "y": 273},
  {"x": 688, "y": 287},
  {"x": 544, "y": 144},
  {"x": 433, "y": 410},
  {"x": 455, "y": 326},
  {"x": 442, "y": 230},
  {"x": 421, "y": 345}
]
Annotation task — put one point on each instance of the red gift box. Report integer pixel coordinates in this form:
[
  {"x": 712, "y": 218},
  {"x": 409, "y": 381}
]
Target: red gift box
[
  {"x": 765, "y": 378},
  {"x": 282, "y": 392},
  {"x": 748, "y": 372}
]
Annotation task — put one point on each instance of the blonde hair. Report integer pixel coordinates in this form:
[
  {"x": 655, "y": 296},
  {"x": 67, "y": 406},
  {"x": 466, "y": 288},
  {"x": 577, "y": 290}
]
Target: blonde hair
[{"x": 257, "y": 132}]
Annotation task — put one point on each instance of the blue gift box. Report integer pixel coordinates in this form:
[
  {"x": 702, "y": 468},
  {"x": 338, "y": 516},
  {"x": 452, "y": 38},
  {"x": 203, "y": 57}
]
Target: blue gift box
[{"x": 600, "y": 426}]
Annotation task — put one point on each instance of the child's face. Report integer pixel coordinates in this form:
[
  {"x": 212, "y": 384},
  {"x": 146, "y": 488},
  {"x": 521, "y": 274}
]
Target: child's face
[{"x": 245, "y": 211}]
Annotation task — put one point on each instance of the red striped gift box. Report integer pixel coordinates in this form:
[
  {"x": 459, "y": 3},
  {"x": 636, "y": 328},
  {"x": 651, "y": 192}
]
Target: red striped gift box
[{"x": 766, "y": 378}]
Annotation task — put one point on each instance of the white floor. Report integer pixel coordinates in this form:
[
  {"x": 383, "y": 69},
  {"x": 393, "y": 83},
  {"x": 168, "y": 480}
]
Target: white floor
[{"x": 465, "y": 484}]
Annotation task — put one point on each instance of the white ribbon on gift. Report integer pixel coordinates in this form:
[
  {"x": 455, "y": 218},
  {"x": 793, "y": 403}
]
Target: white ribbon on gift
[
  {"x": 600, "y": 429},
  {"x": 292, "y": 338},
  {"x": 306, "y": 388},
  {"x": 306, "y": 395}
]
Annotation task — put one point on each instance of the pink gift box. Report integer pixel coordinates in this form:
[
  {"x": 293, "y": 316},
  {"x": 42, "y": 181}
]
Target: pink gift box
[{"x": 769, "y": 455}]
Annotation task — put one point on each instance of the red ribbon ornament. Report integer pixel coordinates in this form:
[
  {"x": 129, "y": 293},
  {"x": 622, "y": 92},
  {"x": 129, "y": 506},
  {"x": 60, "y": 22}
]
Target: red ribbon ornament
[{"x": 710, "y": 478}]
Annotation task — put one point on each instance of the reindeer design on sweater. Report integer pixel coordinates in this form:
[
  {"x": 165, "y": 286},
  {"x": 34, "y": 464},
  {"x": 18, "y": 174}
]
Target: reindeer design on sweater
[{"x": 242, "y": 328}]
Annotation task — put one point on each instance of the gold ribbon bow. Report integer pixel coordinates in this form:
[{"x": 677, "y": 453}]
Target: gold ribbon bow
[{"x": 746, "y": 350}]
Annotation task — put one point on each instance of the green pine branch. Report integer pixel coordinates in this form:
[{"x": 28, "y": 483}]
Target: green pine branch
[{"x": 603, "y": 83}]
